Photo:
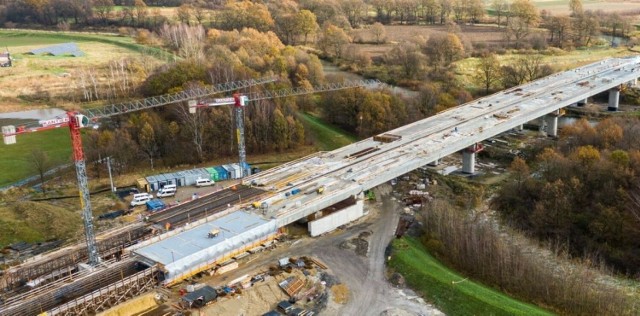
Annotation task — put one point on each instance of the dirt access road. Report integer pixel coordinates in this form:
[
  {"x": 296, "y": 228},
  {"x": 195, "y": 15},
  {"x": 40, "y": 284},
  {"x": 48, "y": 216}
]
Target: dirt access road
[
  {"x": 371, "y": 294},
  {"x": 369, "y": 291}
]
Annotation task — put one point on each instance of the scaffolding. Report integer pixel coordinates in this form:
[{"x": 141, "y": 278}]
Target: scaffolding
[
  {"x": 109, "y": 296},
  {"x": 16, "y": 278}
]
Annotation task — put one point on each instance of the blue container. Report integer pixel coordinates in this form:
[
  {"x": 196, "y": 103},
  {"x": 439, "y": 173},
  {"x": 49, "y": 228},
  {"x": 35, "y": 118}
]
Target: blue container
[
  {"x": 295, "y": 191},
  {"x": 222, "y": 173}
]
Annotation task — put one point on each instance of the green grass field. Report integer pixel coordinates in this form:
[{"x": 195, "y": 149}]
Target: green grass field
[
  {"x": 17, "y": 38},
  {"x": 327, "y": 137},
  {"x": 449, "y": 291},
  {"x": 16, "y": 162}
]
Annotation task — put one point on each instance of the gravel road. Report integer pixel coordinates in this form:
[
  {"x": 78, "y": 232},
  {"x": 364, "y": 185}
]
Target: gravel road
[{"x": 370, "y": 293}]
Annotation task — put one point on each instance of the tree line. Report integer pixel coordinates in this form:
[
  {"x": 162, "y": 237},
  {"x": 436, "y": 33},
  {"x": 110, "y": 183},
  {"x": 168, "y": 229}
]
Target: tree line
[{"x": 585, "y": 192}]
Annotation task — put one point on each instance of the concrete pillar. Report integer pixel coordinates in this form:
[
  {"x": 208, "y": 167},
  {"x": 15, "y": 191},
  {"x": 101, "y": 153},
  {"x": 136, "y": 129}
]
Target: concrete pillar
[
  {"x": 542, "y": 124},
  {"x": 552, "y": 128},
  {"x": 633, "y": 83},
  {"x": 521, "y": 127},
  {"x": 468, "y": 162},
  {"x": 614, "y": 98},
  {"x": 582, "y": 102},
  {"x": 434, "y": 163}
]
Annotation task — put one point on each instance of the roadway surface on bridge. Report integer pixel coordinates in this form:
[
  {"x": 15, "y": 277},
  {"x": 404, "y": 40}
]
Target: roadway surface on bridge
[{"x": 350, "y": 170}]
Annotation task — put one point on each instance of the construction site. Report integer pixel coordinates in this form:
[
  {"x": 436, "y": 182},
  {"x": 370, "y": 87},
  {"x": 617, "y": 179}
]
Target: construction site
[{"x": 232, "y": 245}]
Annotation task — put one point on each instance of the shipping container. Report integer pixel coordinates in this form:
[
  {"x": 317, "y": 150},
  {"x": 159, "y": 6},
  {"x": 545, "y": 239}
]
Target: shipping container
[
  {"x": 213, "y": 173},
  {"x": 222, "y": 173}
]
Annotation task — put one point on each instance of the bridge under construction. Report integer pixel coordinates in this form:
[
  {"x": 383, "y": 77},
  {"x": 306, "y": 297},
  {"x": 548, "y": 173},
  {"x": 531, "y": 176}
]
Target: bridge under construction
[{"x": 311, "y": 187}]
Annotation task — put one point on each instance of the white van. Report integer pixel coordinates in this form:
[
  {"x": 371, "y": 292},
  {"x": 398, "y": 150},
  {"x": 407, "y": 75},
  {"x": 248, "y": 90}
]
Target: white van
[
  {"x": 204, "y": 182},
  {"x": 167, "y": 190},
  {"x": 140, "y": 199}
]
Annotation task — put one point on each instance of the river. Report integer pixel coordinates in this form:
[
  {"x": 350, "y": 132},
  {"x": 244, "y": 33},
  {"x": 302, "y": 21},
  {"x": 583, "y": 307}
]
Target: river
[{"x": 332, "y": 70}]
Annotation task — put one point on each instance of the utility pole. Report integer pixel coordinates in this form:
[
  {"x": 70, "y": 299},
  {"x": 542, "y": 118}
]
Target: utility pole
[{"x": 110, "y": 178}]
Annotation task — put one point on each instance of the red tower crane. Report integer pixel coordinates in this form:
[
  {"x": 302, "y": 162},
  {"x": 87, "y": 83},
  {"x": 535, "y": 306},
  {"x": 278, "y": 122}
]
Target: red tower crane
[{"x": 75, "y": 121}]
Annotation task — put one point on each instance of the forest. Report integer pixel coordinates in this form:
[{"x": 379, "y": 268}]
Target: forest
[{"x": 584, "y": 192}]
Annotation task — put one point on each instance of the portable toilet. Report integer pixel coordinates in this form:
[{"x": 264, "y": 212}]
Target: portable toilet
[
  {"x": 212, "y": 173},
  {"x": 223, "y": 174}
]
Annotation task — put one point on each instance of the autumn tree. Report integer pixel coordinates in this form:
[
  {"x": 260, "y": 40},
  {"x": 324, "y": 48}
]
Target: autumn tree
[
  {"x": 378, "y": 32},
  {"x": 184, "y": 13},
  {"x": 306, "y": 23},
  {"x": 489, "y": 71},
  {"x": 523, "y": 15},
  {"x": 333, "y": 39},
  {"x": 575, "y": 6},
  {"x": 443, "y": 49},
  {"x": 238, "y": 15},
  {"x": 408, "y": 56}
]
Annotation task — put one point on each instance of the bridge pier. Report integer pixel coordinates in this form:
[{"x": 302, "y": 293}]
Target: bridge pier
[
  {"x": 434, "y": 163},
  {"x": 614, "y": 99},
  {"x": 469, "y": 158},
  {"x": 552, "y": 128},
  {"x": 583, "y": 102},
  {"x": 633, "y": 83}
]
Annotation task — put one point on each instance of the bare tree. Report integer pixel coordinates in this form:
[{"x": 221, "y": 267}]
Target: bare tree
[
  {"x": 488, "y": 71},
  {"x": 40, "y": 161},
  {"x": 194, "y": 124}
]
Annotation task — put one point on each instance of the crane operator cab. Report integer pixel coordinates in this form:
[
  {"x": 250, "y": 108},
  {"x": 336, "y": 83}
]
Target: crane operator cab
[{"x": 213, "y": 233}]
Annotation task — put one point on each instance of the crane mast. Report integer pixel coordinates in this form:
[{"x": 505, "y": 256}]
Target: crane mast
[
  {"x": 239, "y": 101},
  {"x": 75, "y": 123}
]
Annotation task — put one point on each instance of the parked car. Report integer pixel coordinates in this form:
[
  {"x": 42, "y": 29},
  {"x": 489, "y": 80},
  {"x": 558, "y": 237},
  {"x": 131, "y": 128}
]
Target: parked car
[
  {"x": 167, "y": 190},
  {"x": 204, "y": 182},
  {"x": 140, "y": 199}
]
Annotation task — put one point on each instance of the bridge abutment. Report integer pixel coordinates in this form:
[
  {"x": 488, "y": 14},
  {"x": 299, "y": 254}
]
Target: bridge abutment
[{"x": 614, "y": 99}]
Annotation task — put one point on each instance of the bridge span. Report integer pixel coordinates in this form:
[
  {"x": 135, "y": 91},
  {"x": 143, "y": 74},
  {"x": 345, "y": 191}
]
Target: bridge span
[
  {"x": 303, "y": 188},
  {"x": 350, "y": 170}
]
